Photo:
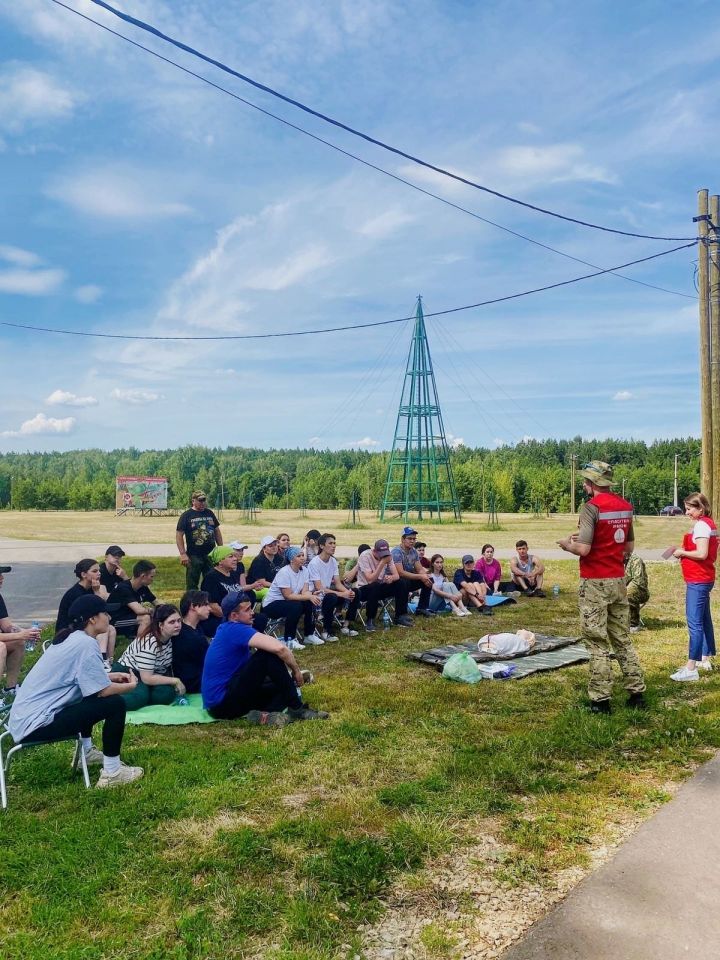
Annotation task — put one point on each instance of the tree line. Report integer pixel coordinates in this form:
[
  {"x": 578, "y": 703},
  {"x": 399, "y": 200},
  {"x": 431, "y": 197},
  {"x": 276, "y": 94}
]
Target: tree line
[{"x": 532, "y": 476}]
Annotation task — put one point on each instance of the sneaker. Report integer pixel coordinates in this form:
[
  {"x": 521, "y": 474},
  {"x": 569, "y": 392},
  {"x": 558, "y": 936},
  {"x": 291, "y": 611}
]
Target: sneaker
[
  {"x": 123, "y": 776},
  {"x": 424, "y": 612},
  {"x": 637, "y": 700},
  {"x": 313, "y": 640},
  {"x": 347, "y": 631},
  {"x": 683, "y": 674},
  {"x": 705, "y": 665},
  {"x": 323, "y": 634},
  {"x": 634, "y": 629},
  {"x": 530, "y": 592},
  {"x": 293, "y": 644},
  {"x": 94, "y": 757},
  {"x": 405, "y": 620},
  {"x": 107, "y": 666},
  {"x": 370, "y": 627},
  {"x": 539, "y": 593},
  {"x": 267, "y": 718},
  {"x": 600, "y": 706},
  {"x": 305, "y": 713},
  {"x": 9, "y": 693},
  {"x": 485, "y": 612},
  {"x": 307, "y": 676}
]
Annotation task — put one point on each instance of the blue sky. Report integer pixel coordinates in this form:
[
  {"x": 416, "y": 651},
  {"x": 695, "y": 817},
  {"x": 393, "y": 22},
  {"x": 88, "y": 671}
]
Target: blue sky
[{"x": 136, "y": 199}]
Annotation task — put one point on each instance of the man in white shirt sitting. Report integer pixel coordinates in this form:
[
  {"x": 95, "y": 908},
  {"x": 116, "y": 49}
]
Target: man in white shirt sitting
[{"x": 325, "y": 580}]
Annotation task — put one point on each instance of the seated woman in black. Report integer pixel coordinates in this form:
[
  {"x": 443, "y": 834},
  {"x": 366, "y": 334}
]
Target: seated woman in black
[
  {"x": 88, "y": 585},
  {"x": 218, "y": 583}
]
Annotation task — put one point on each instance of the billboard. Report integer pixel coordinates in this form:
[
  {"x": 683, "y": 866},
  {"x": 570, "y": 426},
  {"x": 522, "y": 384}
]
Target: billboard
[{"x": 141, "y": 493}]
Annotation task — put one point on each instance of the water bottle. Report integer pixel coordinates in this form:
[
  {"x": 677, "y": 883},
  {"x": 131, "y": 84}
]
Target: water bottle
[
  {"x": 556, "y": 591},
  {"x": 30, "y": 644},
  {"x": 387, "y": 622},
  {"x": 181, "y": 701}
]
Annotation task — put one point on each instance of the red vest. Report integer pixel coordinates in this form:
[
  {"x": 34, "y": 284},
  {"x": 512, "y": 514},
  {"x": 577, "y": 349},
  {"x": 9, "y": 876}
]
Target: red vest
[
  {"x": 605, "y": 560},
  {"x": 700, "y": 571}
]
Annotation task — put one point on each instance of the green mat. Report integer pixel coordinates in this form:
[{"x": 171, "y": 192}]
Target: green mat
[{"x": 172, "y": 716}]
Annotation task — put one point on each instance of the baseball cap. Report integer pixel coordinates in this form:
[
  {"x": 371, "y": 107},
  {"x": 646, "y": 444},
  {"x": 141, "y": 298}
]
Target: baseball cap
[
  {"x": 198, "y": 495},
  {"x": 599, "y": 473},
  {"x": 233, "y": 600},
  {"x": 86, "y": 607},
  {"x": 408, "y": 532},
  {"x": 5, "y": 569},
  {"x": 237, "y": 545},
  {"x": 266, "y": 541},
  {"x": 381, "y": 549},
  {"x": 219, "y": 553},
  {"x": 115, "y": 551},
  {"x": 468, "y": 558}
]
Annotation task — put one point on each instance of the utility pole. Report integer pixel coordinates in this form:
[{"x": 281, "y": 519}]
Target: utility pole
[
  {"x": 573, "y": 467},
  {"x": 675, "y": 495},
  {"x": 705, "y": 346},
  {"x": 714, "y": 285}
]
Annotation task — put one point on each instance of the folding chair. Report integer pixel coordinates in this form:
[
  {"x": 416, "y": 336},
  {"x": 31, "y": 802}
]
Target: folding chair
[{"x": 78, "y": 757}]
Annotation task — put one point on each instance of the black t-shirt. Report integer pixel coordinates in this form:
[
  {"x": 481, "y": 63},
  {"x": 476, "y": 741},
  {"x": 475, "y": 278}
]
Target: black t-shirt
[
  {"x": 68, "y": 598},
  {"x": 262, "y": 569},
  {"x": 460, "y": 576},
  {"x": 111, "y": 581},
  {"x": 218, "y": 585},
  {"x": 3, "y": 609},
  {"x": 188, "y": 657},
  {"x": 124, "y": 595},
  {"x": 199, "y": 527},
  {"x": 279, "y": 560}
]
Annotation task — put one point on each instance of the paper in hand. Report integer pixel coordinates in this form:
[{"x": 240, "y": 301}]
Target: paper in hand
[{"x": 666, "y": 554}]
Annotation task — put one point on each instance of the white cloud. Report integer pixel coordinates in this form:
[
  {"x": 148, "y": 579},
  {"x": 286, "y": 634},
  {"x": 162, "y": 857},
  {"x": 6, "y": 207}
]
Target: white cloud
[
  {"x": 31, "y": 282},
  {"x": 63, "y": 398},
  {"x": 40, "y": 424},
  {"x": 19, "y": 257},
  {"x": 365, "y": 444},
  {"x": 454, "y": 441},
  {"x": 116, "y": 194},
  {"x": 622, "y": 395},
  {"x": 557, "y": 162},
  {"x": 29, "y": 96},
  {"x": 136, "y": 397},
  {"x": 314, "y": 441},
  {"x": 89, "y": 293},
  {"x": 385, "y": 223},
  {"x": 292, "y": 270},
  {"x": 531, "y": 128}
]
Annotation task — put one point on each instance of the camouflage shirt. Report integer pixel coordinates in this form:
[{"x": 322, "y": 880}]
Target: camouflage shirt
[{"x": 635, "y": 572}]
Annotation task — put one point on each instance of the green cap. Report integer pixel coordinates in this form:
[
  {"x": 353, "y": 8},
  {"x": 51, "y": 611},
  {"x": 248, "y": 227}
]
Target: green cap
[
  {"x": 218, "y": 554},
  {"x": 599, "y": 473}
]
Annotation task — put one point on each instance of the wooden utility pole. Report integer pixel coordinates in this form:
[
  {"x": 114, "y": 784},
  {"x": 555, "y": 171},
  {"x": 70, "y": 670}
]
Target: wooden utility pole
[
  {"x": 705, "y": 347},
  {"x": 573, "y": 465},
  {"x": 714, "y": 284},
  {"x": 675, "y": 495}
]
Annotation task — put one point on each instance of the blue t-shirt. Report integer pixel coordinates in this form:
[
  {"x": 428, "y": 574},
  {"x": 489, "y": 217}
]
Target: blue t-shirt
[
  {"x": 407, "y": 559},
  {"x": 460, "y": 576},
  {"x": 229, "y": 651}
]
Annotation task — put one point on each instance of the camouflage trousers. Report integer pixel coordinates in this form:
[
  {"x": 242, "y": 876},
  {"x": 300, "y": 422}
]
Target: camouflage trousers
[
  {"x": 604, "y": 613},
  {"x": 637, "y": 597}
]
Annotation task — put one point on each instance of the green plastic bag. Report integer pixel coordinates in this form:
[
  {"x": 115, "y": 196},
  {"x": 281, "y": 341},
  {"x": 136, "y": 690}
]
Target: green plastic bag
[{"x": 462, "y": 667}]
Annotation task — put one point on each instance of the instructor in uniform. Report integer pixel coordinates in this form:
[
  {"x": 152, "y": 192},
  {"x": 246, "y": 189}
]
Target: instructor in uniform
[{"x": 604, "y": 538}]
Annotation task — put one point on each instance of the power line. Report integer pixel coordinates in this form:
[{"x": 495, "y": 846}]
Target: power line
[
  {"x": 148, "y": 28},
  {"x": 366, "y": 163},
  {"x": 344, "y": 327}
]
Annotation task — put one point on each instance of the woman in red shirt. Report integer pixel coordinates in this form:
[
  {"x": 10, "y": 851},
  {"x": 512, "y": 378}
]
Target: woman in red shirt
[{"x": 697, "y": 558}]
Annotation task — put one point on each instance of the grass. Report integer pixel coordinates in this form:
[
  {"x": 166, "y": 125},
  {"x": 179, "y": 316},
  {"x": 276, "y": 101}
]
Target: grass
[
  {"x": 105, "y": 527},
  {"x": 242, "y": 842}
]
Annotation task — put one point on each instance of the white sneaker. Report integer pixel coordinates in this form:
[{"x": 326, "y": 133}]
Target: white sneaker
[
  {"x": 683, "y": 674},
  {"x": 349, "y": 632},
  {"x": 307, "y": 676},
  {"x": 323, "y": 634},
  {"x": 330, "y": 638},
  {"x": 705, "y": 665},
  {"x": 124, "y": 775},
  {"x": 294, "y": 644},
  {"x": 94, "y": 757},
  {"x": 313, "y": 639}
]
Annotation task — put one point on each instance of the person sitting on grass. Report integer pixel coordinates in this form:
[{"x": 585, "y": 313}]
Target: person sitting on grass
[
  {"x": 443, "y": 591},
  {"x": 378, "y": 580},
  {"x": 12, "y": 646},
  {"x": 325, "y": 579},
  {"x": 249, "y": 674},
  {"x": 489, "y": 568},
  {"x": 150, "y": 658},
  {"x": 88, "y": 574},
  {"x": 262, "y": 570},
  {"x": 136, "y": 600},
  {"x": 111, "y": 571},
  {"x": 289, "y": 598},
  {"x": 471, "y": 585},
  {"x": 638, "y": 593},
  {"x": 527, "y": 571},
  {"x": 190, "y": 646},
  {"x": 218, "y": 583},
  {"x": 67, "y": 691}
]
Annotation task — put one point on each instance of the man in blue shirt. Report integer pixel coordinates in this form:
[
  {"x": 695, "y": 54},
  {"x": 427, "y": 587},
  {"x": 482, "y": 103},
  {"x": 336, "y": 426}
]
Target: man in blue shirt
[
  {"x": 252, "y": 675},
  {"x": 410, "y": 569}
]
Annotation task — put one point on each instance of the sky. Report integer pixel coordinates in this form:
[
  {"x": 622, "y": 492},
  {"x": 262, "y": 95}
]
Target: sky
[{"x": 139, "y": 200}]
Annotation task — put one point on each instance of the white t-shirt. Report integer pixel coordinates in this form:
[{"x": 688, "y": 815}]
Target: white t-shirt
[
  {"x": 701, "y": 531},
  {"x": 323, "y": 570},
  {"x": 438, "y": 580},
  {"x": 290, "y": 579}
]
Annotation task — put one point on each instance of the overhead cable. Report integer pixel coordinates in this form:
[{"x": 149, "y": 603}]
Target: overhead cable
[
  {"x": 344, "y": 327},
  {"x": 148, "y": 28}
]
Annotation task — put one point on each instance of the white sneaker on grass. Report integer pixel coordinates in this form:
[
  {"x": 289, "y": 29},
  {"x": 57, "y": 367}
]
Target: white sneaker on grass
[
  {"x": 683, "y": 674},
  {"x": 313, "y": 640},
  {"x": 123, "y": 776},
  {"x": 330, "y": 638},
  {"x": 705, "y": 665},
  {"x": 293, "y": 644},
  {"x": 94, "y": 757},
  {"x": 348, "y": 632}
]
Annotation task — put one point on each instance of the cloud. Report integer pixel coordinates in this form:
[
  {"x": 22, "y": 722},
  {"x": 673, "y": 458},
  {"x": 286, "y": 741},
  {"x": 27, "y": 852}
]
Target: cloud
[
  {"x": 365, "y": 444},
  {"x": 622, "y": 395},
  {"x": 385, "y": 223},
  {"x": 314, "y": 441},
  {"x": 90, "y": 293},
  {"x": 31, "y": 282},
  {"x": 19, "y": 257},
  {"x": 454, "y": 441},
  {"x": 116, "y": 194},
  {"x": 40, "y": 424},
  {"x": 136, "y": 397},
  {"x": 29, "y": 96},
  {"x": 557, "y": 162},
  {"x": 62, "y": 398},
  {"x": 292, "y": 270}
]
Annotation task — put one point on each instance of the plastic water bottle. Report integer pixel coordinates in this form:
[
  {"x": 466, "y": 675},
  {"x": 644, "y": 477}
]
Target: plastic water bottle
[
  {"x": 30, "y": 644},
  {"x": 556, "y": 591},
  {"x": 387, "y": 622},
  {"x": 181, "y": 701}
]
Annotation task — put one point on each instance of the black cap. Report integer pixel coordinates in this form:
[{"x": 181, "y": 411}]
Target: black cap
[
  {"x": 5, "y": 569},
  {"x": 232, "y": 601},
  {"x": 85, "y": 607},
  {"x": 115, "y": 551}
]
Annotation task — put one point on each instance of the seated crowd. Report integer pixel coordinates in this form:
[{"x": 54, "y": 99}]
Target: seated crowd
[{"x": 233, "y": 640}]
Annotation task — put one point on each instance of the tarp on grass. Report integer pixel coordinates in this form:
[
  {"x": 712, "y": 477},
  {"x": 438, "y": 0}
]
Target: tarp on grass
[{"x": 549, "y": 653}]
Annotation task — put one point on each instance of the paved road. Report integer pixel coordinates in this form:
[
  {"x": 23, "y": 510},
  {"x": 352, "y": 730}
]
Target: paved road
[
  {"x": 655, "y": 900},
  {"x": 32, "y": 591}
]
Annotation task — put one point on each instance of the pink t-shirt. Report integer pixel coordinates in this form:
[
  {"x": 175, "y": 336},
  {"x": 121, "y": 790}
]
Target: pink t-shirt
[{"x": 490, "y": 572}]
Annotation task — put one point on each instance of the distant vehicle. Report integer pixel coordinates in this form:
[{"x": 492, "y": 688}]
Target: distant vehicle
[{"x": 671, "y": 511}]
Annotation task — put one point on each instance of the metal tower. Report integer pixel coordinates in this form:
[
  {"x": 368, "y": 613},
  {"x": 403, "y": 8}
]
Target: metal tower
[{"x": 419, "y": 476}]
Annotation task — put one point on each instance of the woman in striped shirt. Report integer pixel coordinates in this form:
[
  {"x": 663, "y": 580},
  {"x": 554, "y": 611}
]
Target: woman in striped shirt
[{"x": 150, "y": 659}]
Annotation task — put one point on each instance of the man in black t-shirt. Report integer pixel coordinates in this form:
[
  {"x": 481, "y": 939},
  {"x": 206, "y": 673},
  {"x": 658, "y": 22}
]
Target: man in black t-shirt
[
  {"x": 222, "y": 580},
  {"x": 12, "y": 646},
  {"x": 190, "y": 645},
  {"x": 111, "y": 573},
  {"x": 136, "y": 599},
  {"x": 197, "y": 534}
]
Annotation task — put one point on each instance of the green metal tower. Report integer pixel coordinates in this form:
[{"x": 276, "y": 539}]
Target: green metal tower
[{"x": 419, "y": 477}]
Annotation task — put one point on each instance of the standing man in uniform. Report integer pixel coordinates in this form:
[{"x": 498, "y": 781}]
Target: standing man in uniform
[
  {"x": 197, "y": 534},
  {"x": 604, "y": 538}
]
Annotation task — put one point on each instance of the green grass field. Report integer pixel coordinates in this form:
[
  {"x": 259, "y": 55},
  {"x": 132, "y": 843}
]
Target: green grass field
[{"x": 243, "y": 842}]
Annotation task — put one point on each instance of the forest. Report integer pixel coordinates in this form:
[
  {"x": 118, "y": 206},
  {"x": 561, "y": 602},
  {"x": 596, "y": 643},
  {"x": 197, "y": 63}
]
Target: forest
[{"x": 532, "y": 476}]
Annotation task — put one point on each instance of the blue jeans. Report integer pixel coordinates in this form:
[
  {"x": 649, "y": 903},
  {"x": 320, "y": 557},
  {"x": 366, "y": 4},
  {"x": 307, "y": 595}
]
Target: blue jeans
[{"x": 700, "y": 627}]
